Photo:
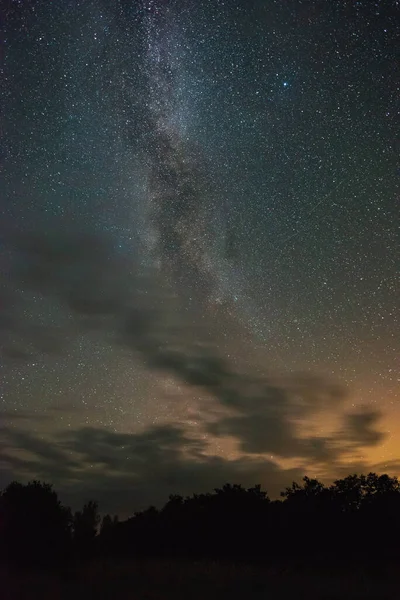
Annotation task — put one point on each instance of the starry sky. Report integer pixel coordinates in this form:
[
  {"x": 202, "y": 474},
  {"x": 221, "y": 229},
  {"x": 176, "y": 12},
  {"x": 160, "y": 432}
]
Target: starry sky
[{"x": 200, "y": 244}]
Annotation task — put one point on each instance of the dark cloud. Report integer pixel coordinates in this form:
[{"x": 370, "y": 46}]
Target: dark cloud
[
  {"x": 126, "y": 472},
  {"x": 39, "y": 449},
  {"x": 360, "y": 428},
  {"x": 272, "y": 434},
  {"x": 311, "y": 392},
  {"x": 81, "y": 269},
  {"x": 59, "y": 283},
  {"x": 84, "y": 275}
]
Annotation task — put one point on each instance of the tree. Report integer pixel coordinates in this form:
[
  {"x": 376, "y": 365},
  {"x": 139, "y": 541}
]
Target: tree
[
  {"x": 85, "y": 524},
  {"x": 106, "y": 525},
  {"x": 311, "y": 488},
  {"x": 36, "y": 526}
]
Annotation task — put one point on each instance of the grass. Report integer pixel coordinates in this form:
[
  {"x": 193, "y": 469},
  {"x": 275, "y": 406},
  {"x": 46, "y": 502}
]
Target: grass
[{"x": 167, "y": 580}]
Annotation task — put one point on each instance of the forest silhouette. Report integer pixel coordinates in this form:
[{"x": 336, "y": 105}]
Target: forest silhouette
[{"x": 356, "y": 519}]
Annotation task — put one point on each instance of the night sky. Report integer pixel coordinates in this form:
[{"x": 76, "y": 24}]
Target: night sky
[{"x": 200, "y": 244}]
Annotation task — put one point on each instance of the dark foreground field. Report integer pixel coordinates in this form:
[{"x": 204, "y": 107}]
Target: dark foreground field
[{"x": 156, "y": 580}]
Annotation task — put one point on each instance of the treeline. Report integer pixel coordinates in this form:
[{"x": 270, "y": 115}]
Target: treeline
[{"x": 354, "y": 519}]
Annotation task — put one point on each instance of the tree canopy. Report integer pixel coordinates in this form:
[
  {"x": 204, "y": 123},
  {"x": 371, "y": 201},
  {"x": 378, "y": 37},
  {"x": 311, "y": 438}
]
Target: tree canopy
[{"x": 355, "y": 518}]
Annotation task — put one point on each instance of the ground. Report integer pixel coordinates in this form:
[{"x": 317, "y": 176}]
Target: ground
[{"x": 164, "y": 580}]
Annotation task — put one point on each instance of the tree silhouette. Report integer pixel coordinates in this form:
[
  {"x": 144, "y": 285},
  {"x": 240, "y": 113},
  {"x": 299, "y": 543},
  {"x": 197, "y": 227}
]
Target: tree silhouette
[
  {"x": 36, "y": 526},
  {"x": 106, "y": 525},
  {"x": 85, "y": 524},
  {"x": 355, "y": 519},
  {"x": 310, "y": 489},
  {"x": 108, "y": 534}
]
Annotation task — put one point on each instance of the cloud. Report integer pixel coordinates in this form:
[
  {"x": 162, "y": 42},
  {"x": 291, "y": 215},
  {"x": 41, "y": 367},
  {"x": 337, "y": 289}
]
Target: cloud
[
  {"x": 127, "y": 472},
  {"x": 40, "y": 449},
  {"x": 263, "y": 433},
  {"x": 84, "y": 273},
  {"x": 22, "y": 415},
  {"x": 81, "y": 269},
  {"x": 272, "y": 434},
  {"x": 360, "y": 428}
]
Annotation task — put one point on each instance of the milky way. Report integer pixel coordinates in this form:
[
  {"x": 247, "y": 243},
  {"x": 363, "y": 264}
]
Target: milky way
[
  {"x": 180, "y": 213},
  {"x": 187, "y": 228}
]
